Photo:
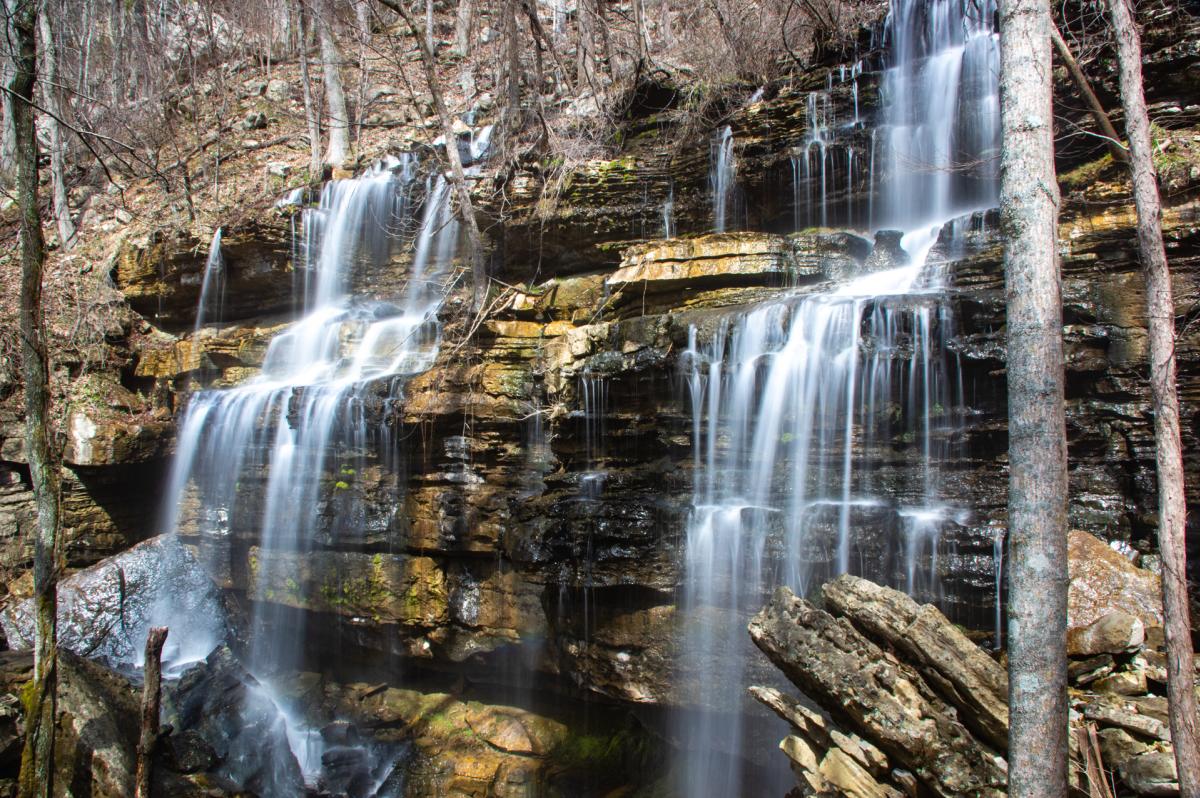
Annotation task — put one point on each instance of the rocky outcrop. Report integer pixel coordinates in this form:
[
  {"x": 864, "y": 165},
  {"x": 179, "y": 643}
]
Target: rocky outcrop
[
  {"x": 967, "y": 677},
  {"x": 901, "y": 692},
  {"x": 877, "y": 696},
  {"x": 161, "y": 273}
]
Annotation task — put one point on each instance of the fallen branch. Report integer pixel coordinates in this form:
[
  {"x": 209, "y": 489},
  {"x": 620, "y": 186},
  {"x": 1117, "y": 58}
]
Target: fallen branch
[{"x": 151, "y": 697}]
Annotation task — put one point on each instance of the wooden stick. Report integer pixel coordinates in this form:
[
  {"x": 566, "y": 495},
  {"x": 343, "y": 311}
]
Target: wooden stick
[{"x": 151, "y": 698}]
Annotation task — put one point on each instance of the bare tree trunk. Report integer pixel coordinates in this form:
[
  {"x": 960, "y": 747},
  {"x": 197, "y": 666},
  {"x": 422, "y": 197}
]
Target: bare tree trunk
[
  {"x": 151, "y": 698},
  {"x": 37, "y": 758},
  {"x": 335, "y": 96},
  {"x": 639, "y": 28},
  {"x": 585, "y": 58},
  {"x": 1099, "y": 115},
  {"x": 464, "y": 28},
  {"x": 58, "y": 165},
  {"x": 1160, "y": 315},
  {"x": 310, "y": 108},
  {"x": 464, "y": 22},
  {"x": 466, "y": 208},
  {"x": 430, "y": 44},
  {"x": 8, "y": 133},
  {"x": 1037, "y": 448},
  {"x": 510, "y": 111}
]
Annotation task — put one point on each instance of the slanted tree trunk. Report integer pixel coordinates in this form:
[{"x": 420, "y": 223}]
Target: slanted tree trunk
[
  {"x": 310, "y": 109},
  {"x": 151, "y": 701},
  {"x": 1099, "y": 115},
  {"x": 1037, "y": 448},
  {"x": 37, "y": 758},
  {"x": 466, "y": 208},
  {"x": 58, "y": 162},
  {"x": 1160, "y": 316},
  {"x": 335, "y": 96}
]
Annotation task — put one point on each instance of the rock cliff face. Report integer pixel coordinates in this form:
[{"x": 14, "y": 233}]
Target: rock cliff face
[{"x": 522, "y": 504}]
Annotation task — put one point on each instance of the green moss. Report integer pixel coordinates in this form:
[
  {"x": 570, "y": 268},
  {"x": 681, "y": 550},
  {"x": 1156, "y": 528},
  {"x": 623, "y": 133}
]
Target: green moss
[
  {"x": 340, "y": 485},
  {"x": 1083, "y": 176},
  {"x": 365, "y": 593},
  {"x": 624, "y": 755}
]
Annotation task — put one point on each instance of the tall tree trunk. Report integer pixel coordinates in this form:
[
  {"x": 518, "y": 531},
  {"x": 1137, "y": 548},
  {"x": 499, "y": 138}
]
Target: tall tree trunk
[
  {"x": 8, "y": 132},
  {"x": 335, "y": 96},
  {"x": 310, "y": 109},
  {"x": 464, "y": 29},
  {"x": 37, "y": 758},
  {"x": 510, "y": 111},
  {"x": 58, "y": 162},
  {"x": 585, "y": 57},
  {"x": 466, "y": 208},
  {"x": 1099, "y": 115},
  {"x": 639, "y": 28},
  {"x": 1160, "y": 315},
  {"x": 1037, "y": 449}
]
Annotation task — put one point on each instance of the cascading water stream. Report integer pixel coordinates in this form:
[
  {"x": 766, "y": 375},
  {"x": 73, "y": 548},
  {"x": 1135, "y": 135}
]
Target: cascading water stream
[
  {"x": 722, "y": 173},
  {"x": 820, "y": 422},
  {"x": 212, "y": 288},
  {"x": 305, "y": 407}
]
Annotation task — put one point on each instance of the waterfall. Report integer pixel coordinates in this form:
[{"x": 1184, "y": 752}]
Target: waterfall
[
  {"x": 289, "y": 427},
  {"x": 941, "y": 113},
  {"x": 821, "y": 421},
  {"x": 722, "y": 172},
  {"x": 212, "y": 290},
  {"x": 668, "y": 213}
]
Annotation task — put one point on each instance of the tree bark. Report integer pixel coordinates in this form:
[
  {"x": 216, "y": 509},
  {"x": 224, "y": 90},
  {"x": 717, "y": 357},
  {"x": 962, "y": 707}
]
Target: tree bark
[
  {"x": 37, "y": 758},
  {"x": 310, "y": 109},
  {"x": 510, "y": 112},
  {"x": 151, "y": 697},
  {"x": 335, "y": 95},
  {"x": 464, "y": 29},
  {"x": 1160, "y": 315},
  {"x": 1099, "y": 115},
  {"x": 466, "y": 208},
  {"x": 58, "y": 165},
  {"x": 1037, "y": 502},
  {"x": 8, "y": 134}
]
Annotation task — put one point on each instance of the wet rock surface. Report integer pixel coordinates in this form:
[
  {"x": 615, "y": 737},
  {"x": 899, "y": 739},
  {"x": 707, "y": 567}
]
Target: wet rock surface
[{"x": 104, "y": 611}]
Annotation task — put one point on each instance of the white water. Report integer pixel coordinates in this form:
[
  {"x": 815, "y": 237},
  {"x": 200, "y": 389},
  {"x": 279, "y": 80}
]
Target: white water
[
  {"x": 722, "y": 174},
  {"x": 820, "y": 422},
  {"x": 212, "y": 290},
  {"x": 306, "y": 406}
]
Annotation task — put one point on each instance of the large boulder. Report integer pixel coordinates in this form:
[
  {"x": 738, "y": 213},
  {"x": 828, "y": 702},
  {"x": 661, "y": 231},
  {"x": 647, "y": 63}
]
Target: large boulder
[
  {"x": 1103, "y": 581},
  {"x": 104, "y": 611}
]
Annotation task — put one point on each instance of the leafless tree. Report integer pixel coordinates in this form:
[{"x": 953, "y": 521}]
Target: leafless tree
[
  {"x": 37, "y": 758},
  {"x": 335, "y": 95},
  {"x": 1160, "y": 316},
  {"x": 1037, "y": 501}
]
